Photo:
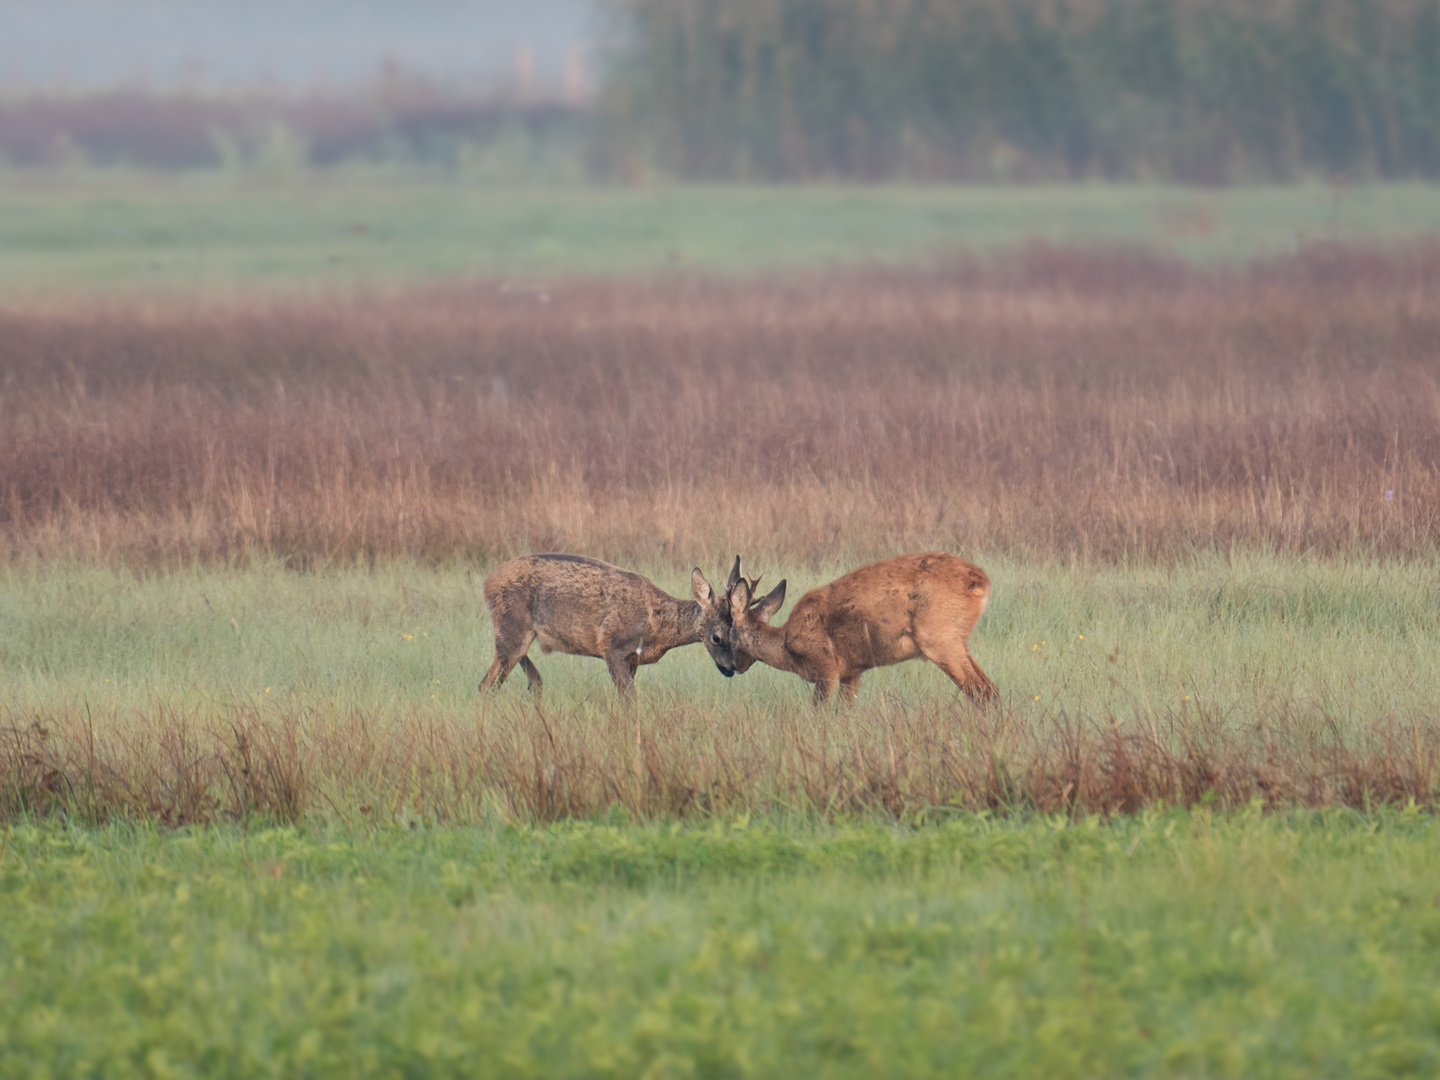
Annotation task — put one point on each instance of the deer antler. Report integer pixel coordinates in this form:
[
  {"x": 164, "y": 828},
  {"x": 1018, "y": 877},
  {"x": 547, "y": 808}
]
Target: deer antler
[{"x": 753, "y": 583}]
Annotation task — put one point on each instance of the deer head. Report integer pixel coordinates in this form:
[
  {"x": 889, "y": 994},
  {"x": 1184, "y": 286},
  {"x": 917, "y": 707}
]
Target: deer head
[
  {"x": 749, "y": 612},
  {"x": 717, "y": 632}
]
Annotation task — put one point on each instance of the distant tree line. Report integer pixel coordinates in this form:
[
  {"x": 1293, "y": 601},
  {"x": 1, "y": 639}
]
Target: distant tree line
[
  {"x": 499, "y": 139},
  {"x": 1204, "y": 91}
]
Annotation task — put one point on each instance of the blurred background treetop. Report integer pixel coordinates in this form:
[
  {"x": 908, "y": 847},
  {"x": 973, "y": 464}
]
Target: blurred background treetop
[
  {"x": 1192, "y": 90},
  {"x": 1197, "y": 91}
]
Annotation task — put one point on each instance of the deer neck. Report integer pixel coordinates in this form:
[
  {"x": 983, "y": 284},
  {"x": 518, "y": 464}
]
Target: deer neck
[
  {"x": 685, "y": 622},
  {"x": 767, "y": 644}
]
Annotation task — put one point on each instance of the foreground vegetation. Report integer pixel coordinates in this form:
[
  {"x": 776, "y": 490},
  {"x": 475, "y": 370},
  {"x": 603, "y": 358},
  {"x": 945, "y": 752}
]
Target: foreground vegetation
[
  {"x": 1171, "y": 944},
  {"x": 108, "y": 231}
]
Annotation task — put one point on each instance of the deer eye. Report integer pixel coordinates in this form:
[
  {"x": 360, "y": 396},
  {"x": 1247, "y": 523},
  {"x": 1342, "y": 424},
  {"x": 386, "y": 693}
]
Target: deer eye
[{"x": 715, "y": 638}]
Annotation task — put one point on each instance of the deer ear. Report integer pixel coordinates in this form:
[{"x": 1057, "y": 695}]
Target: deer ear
[
  {"x": 772, "y": 603},
  {"x": 734, "y": 575},
  {"x": 739, "y": 598},
  {"x": 701, "y": 588}
]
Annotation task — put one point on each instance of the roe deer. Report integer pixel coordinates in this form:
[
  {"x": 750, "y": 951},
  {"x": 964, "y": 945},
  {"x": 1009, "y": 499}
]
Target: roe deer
[
  {"x": 586, "y": 607},
  {"x": 893, "y": 610}
]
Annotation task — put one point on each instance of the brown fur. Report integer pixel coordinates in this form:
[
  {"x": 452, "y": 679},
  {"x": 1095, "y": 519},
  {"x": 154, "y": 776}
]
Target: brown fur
[
  {"x": 586, "y": 607},
  {"x": 890, "y": 611}
]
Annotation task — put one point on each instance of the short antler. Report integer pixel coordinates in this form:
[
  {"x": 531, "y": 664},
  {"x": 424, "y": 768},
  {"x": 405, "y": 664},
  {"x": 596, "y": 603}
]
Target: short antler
[{"x": 753, "y": 583}]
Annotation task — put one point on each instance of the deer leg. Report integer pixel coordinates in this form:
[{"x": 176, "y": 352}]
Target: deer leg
[
  {"x": 506, "y": 657},
  {"x": 984, "y": 689},
  {"x": 824, "y": 687},
  {"x": 622, "y": 672},
  {"x": 532, "y": 673},
  {"x": 849, "y": 687},
  {"x": 966, "y": 674}
]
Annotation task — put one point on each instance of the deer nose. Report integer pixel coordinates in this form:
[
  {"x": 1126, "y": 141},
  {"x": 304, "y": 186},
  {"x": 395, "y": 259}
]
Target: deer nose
[{"x": 728, "y": 672}]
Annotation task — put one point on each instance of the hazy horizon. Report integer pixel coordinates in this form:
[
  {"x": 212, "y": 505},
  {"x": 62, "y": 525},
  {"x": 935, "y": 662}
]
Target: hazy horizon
[{"x": 87, "y": 45}]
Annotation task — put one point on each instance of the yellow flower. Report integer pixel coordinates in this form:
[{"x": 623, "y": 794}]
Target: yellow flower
[
  {"x": 408, "y": 637},
  {"x": 1037, "y": 697},
  {"x": 1082, "y": 637},
  {"x": 267, "y": 689}
]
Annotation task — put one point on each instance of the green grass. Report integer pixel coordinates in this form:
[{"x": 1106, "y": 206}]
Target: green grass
[
  {"x": 1172, "y": 944},
  {"x": 103, "y": 231},
  {"x": 1346, "y": 639}
]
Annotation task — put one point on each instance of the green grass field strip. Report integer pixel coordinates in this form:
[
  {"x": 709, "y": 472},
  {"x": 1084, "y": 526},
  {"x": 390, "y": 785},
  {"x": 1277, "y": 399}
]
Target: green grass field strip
[
  {"x": 117, "y": 231},
  {"x": 1169, "y": 944},
  {"x": 1344, "y": 640}
]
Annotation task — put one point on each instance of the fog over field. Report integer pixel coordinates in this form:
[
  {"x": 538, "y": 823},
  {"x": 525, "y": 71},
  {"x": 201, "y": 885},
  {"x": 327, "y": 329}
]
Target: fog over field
[{"x": 87, "y": 45}]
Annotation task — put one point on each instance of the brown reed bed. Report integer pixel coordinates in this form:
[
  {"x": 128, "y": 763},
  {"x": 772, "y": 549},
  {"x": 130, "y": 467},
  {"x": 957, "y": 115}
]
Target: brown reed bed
[
  {"x": 526, "y": 765},
  {"x": 1048, "y": 403}
]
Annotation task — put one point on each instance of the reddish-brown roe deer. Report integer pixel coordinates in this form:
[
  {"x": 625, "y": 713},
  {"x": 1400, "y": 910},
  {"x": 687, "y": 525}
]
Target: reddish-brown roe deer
[{"x": 890, "y": 611}]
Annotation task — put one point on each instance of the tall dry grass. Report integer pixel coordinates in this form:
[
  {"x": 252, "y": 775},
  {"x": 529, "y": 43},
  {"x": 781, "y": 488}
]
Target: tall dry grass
[
  {"x": 1049, "y": 403},
  {"x": 668, "y": 760}
]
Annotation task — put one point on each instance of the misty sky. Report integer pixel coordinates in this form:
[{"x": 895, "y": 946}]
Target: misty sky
[{"x": 86, "y": 44}]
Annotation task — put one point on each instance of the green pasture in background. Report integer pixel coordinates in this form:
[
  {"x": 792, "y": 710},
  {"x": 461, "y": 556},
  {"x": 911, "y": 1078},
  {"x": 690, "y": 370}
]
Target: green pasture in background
[
  {"x": 88, "y": 231},
  {"x": 1343, "y": 640},
  {"x": 1169, "y": 944}
]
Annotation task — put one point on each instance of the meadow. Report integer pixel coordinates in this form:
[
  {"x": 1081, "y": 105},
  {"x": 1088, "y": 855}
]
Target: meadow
[
  {"x": 254, "y": 818},
  {"x": 1167, "y": 944},
  {"x": 212, "y": 232}
]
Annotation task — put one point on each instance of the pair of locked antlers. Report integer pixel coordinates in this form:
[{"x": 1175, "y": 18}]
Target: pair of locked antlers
[{"x": 736, "y": 576}]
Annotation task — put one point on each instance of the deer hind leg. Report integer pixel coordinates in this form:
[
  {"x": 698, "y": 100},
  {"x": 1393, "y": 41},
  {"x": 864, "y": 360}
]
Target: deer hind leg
[
  {"x": 508, "y": 653},
  {"x": 985, "y": 690},
  {"x": 966, "y": 674},
  {"x": 532, "y": 673},
  {"x": 947, "y": 650}
]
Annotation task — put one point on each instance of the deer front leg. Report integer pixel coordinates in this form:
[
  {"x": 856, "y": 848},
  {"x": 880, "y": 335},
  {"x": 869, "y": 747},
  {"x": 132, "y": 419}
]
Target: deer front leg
[
  {"x": 849, "y": 687},
  {"x": 825, "y": 682},
  {"x": 622, "y": 671}
]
